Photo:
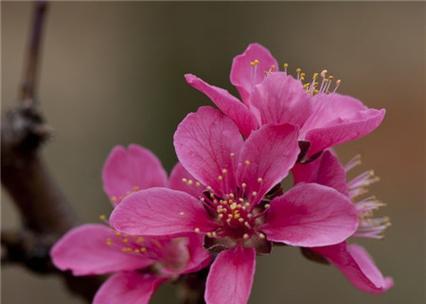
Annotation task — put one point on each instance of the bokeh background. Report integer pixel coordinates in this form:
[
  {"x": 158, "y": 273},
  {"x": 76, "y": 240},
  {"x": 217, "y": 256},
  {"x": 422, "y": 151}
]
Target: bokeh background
[{"x": 112, "y": 73}]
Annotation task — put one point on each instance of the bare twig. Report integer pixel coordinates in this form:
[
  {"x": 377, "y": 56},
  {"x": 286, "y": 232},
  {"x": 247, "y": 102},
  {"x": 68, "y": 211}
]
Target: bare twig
[{"x": 44, "y": 210}]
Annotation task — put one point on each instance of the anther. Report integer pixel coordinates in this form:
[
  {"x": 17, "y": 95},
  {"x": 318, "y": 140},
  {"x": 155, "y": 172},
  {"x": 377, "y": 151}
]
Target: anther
[
  {"x": 247, "y": 162},
  {"x": 254, "y": 62},
  {"x": 260, "y": 180},
  {"x": 246, "y": 236},
  {"x": 197, "y": 230}
]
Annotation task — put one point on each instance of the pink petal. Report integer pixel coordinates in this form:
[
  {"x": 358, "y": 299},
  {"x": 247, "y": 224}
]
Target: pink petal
[
  {"x": 228, "y": 104},
  {"x": 357, "y": 266},
  {"x": 207, "y": 143},
  {"x": 266, "y": 158},
  {"x": 310, "y": 215},
  {"x": 338, "y": 119},
  {"x": 180, "y": 179},
  {"x": 231, "y": 276},
  {"x": 128, "y": 288},
  {"x": 199, "y": 256},
  {"x": 281, "y": 99},
  {"x": 131, "y": 169},
  {"x": 325, "y": 170},
  {"x": 160, "y": 212},
  {"x": 84, "y": 251},
  {"x": 244, "y": 76}
]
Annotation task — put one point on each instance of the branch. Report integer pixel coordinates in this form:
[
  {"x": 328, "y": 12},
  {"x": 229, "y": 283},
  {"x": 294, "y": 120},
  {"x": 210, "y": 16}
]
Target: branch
[{"x": 45, "y": 212}]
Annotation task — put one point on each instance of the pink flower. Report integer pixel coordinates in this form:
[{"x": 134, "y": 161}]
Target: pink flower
[
  {"x": 324, "y": 118},
  {"x": 352, "y": 260},
  {"x": 233, "y": 206},
  {"x": 140, "y": 263}
]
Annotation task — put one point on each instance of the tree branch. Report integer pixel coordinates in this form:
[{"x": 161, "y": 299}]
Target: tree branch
[{"x": 45, "y": 212}]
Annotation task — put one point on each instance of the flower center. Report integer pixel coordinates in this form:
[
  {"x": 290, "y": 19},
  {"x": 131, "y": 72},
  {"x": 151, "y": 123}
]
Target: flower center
[{"x": 237, "y": 218}]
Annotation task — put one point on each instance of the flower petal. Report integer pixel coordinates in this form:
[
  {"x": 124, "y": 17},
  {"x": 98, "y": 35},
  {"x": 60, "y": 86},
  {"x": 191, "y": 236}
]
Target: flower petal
[
  {"x": 231, "y": 276},
  {"x": 199, "y": 256},
  {"x": 325, "y": 170},
  {"x": 181, "y": 180},
  {"x": 338, "y": 119},
  {"x": 160, "y": 212},
  {"x": 128, "y": 287},
  {"x": 310, "y": 215},
  {"x": 131, "y": 169},
  {"x": 84, "y": 251},
  {"x": 281, "y": 99},
  {"x": 357, "y": 266},
  {"x": 228, "y": 104},
  {"x": 207, "y": 143},
  {"x": 245, "y": 74},
  {"x": 266, "y": 158}
]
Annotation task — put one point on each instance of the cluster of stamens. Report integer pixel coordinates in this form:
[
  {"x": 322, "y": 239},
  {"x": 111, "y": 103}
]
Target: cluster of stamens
[
  {"x": 130, "y": 244},
  {"x": 235, "y": 214},
  {"x": 369, "y": 226},
  {"x": 320, "y": 82}
]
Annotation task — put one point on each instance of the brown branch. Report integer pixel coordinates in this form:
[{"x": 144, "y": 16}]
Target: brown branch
[{"x": 45, "y": 212}]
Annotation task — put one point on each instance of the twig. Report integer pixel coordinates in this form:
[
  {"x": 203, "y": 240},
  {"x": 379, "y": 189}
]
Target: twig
[{"x": 44, "y": 210}]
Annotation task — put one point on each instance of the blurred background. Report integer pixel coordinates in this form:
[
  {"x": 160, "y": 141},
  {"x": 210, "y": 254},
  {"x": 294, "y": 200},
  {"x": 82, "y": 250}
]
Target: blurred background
[{"x": 112, "y": 73}]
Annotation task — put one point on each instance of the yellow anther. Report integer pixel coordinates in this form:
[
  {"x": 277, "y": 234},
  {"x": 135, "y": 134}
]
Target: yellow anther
[
  {"x": 190, "y": 182},
  {"x": 237, "y": 216},
  {"x": 323, "y": 73},
  {"x": 125, "y": 240},
  {"x": 197, "y": 184},
  {"x": 267, "y": 206},
  {"x": 108, "y": 242},
  {"x": 298, "y": 70},
  {"x": 114, "y": 199},
  {"x": 233, "y": 206},
  {"x": 262, "y": 236},
  {"x": 209, "y": 234},
  {"x": 126, "y": 249},
  {"x": 140, "y": 239},
  {"x": 142, "y": 250},
  {"x": 254, "y": 62},
  {"x": 117, "y": 233},
  {"x": 102, "y": 217},
  {"x": 285, "y": 65}
]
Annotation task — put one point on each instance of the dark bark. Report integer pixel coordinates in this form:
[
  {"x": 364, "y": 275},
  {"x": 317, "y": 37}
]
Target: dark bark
[{"x": 45, "y": 212}]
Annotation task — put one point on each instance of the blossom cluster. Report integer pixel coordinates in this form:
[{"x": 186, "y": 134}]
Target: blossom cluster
[{"x": 224, "y": 202}]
